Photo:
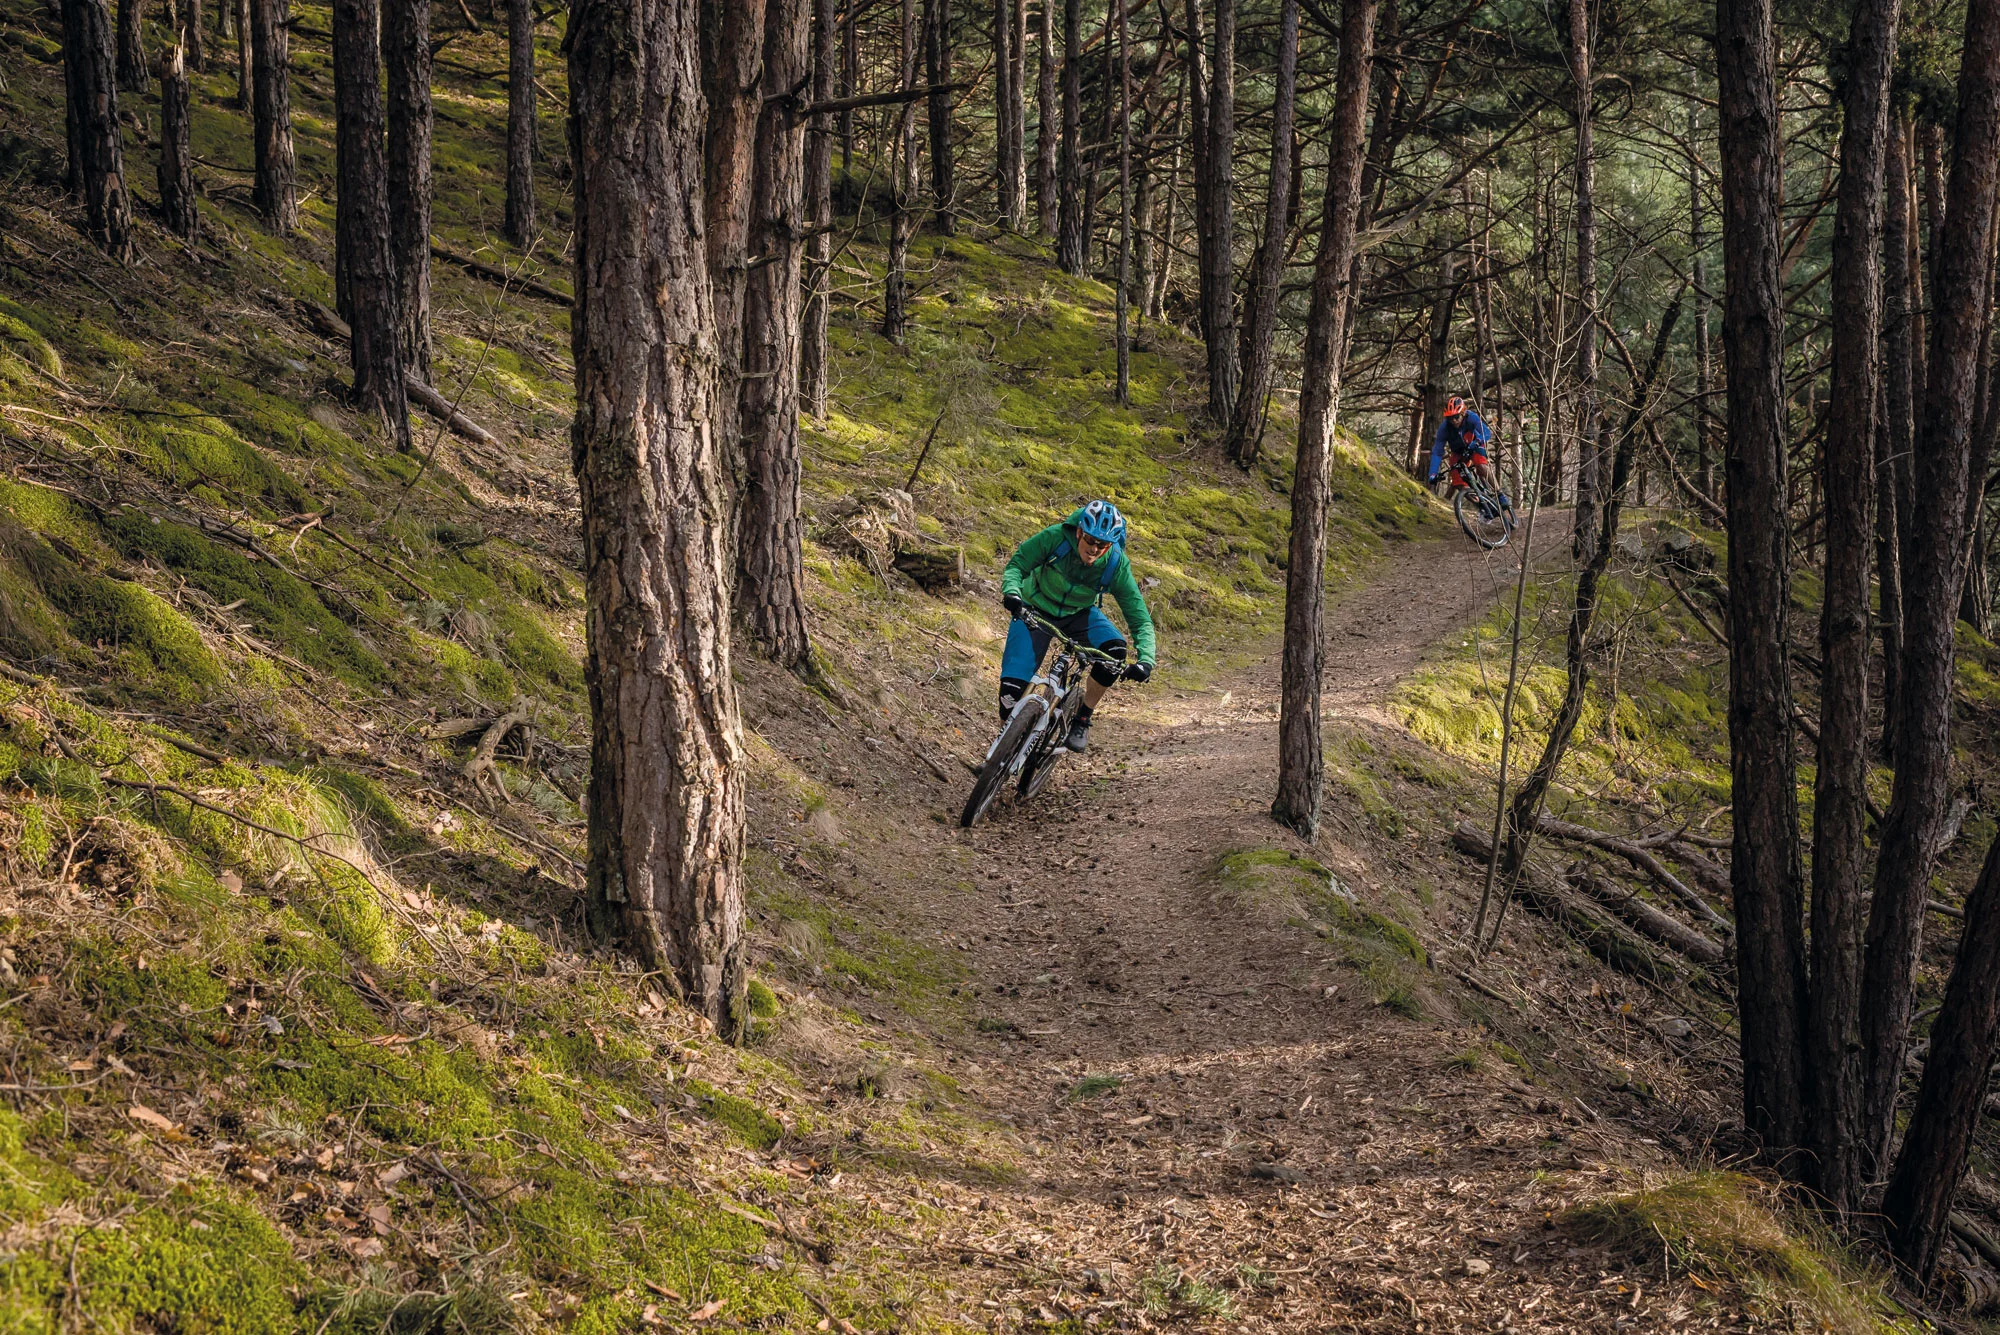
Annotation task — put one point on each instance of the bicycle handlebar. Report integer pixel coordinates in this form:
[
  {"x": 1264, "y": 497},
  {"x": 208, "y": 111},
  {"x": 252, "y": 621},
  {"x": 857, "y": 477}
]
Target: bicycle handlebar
[{"x": 1034, "y": 618}]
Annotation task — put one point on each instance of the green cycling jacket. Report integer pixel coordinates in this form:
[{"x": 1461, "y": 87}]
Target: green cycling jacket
[{"x": 1062, "y": 585}]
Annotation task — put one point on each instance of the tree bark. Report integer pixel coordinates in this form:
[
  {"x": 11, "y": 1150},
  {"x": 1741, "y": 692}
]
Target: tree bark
[
  {"x": 1246, "y": 424},
  {"x": 276, "y": 193},
  {"x": 770, "y": 561},
  {"x": 819, "y": 218},
  {"x": 1214, "y": 183},
  {"x": 1163, "y": 277},
  {"x": 1047, "y": 125},
  {"x": 1840, "y": 786},
  {"x": 246, "y": 65},
  {"x": 937, "y": 64},
  {"x": 196, "y": 39},
  {"x": 1144, "y": 210},
  {"x": 1704, "y": 357},
  {"x": 1437, "y": 361},
  {"x": 904, "y": 189},
  {"x": 1917, "y": 1202},
  {"x": 1301, "y": 754},
  {"x": 361, "y": 218},
  {"x": 96, "y": 151},
  {"x": 666, "y": 797},
  {"x": 519, "y": 225},
  {"x": 1588, "y": 436},
  {"x": 406, "y": 50},
  {"x": 732, "y": 72},
  {"x": 1017, "y": 114},
  {"x": 177, "y": 198},
  {"x": 850, "y": 80},
  {"x": 1124, "y": 209},
  {"x": 1072, "y": 229},
  {"x": 132, "y": 73},
  {"x": 1764, "y": 868},
  {"x": 1899, "y": 396},
  {"x": 1004, "y": 94},
  {"x": 1933, "y": 573}
]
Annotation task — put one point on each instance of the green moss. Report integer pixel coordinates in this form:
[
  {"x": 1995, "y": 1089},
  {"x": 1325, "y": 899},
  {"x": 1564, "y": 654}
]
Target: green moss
[
  {"x": 751, "y": 1124},
  {"x": 1092, "y": 1085}
]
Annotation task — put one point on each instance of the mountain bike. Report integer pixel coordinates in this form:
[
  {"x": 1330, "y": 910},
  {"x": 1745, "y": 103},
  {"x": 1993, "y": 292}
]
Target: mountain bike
[
  {"x": 1481, "y": 513},
  {"x": 1034, "y": 736}
]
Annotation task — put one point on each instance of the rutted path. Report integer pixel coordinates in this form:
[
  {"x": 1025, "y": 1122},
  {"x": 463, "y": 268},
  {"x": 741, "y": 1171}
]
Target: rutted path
[{"x": 1308, "y": 1160}]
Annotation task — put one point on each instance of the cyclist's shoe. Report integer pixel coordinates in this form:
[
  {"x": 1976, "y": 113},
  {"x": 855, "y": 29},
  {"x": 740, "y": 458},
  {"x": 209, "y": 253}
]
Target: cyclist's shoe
[
  {"x": 1079, "y": 736},
  {"x": 1488, "y": 510}
]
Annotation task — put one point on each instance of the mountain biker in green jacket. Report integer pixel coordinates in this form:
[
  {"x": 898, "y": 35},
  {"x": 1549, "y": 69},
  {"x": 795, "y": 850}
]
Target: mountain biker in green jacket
[{"x": 1060, "y": 574}]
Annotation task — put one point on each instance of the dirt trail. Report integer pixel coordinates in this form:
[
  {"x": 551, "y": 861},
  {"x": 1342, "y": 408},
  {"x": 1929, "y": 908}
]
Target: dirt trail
[{"x": 1274, "y": 1134}]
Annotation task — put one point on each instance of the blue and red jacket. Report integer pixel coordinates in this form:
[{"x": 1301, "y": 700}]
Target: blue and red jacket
[{"x": 1464, "y": 438}]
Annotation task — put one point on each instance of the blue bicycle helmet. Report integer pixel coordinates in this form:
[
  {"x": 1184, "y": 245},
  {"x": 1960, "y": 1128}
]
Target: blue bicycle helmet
[{"x": 1101, "y": 520}]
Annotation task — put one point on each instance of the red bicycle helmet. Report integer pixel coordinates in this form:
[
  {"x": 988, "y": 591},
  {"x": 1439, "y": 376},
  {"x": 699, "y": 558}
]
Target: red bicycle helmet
[{"x": 1454, "y": 406}]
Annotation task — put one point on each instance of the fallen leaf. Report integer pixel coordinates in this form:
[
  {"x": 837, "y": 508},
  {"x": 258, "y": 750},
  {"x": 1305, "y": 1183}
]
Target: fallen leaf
[
  {"x": 139, "y": 1112},
  {"x": 708, "y": 1311},
  {"x": 663, "y": 1291},
  {"x": 378, "y": 1216},
  {"x": 231, "y": 882},
  {"x": 393, "y": 1174},
  {"x": 363, "y": 1247},
  {"x": 651, "y": 1316},
  {"x": 116, "y": 1032}
]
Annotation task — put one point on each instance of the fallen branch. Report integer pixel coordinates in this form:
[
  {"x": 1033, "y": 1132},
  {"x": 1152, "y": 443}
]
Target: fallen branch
[
  {"x": 438, "y": 406},
  {"x": 329, "y": 325},
  {"x": 866, "y": 99},
  {"x": 501, "y": 276},
  {"x": 479, "y": 770},
  {"x": 1608, "y": 940},
  {"x": 1651, "y": 922},
  {"x": 1639, "y": 857}
]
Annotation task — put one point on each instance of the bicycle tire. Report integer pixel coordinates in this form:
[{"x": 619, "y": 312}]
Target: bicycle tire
[
  {"x": 1488, "y": 533},
  {"x": 1035, "y": 774},
  {"x": 993, "y": 774}
]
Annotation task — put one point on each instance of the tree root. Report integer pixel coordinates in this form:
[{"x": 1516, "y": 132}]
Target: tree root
[{"x": 480, "y": 771}]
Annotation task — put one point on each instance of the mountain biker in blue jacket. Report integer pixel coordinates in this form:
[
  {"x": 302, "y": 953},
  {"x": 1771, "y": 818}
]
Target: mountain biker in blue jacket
[
  {"x": 1059, "y": 574},
  {"x": 1463, "y": 435}
]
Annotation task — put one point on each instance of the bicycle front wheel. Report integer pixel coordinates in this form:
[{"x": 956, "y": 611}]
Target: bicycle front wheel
[
  {"x": 993, "y": 774},
  {"x": 1483, "y": 518}
]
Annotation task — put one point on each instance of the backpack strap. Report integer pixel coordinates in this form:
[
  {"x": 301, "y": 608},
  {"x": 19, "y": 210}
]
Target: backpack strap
[{"x": 1065, "y": 547}]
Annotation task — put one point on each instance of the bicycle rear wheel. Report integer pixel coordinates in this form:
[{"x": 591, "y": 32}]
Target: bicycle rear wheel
[
  {"x": 1483, "y": 518},
  {"x": 993, "y": 774}
]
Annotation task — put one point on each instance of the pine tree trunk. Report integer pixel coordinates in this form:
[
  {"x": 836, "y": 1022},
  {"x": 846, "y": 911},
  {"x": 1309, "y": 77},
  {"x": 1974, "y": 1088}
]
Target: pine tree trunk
[
  {"x": 96, "y": 151},
  {"x": 1072, "y": 231},
  {"x": 850, "y": 80},
  {"x": 1437, "y": 362},
  {"x": 1840, "y": 786},
  {"x": 771, "y": 577},
  {"x": 904, "y": 188},
  {"x": 1898, "y": 411},
  {"x": 406, "y": 50},
  {"x": 1017, "y": 114},
  {"x": 666, "y": 795},
  {"x": 1124, "y": 210},
  {"x": 246, "y": 64},
  {"x": 1301, "y": 753},
  {"x": 732, "y": 71},
  {"x": 937, "y": 65},
  {"x": 1169, "y": 230},
  {"x": 1933, "y": 572},
  {"x": 191, "y": 33},
  {"x": 1917, "y": 1202},
  {"x": 1584, "y": 517},
  {"x": 819, "y": 218},
  {"x": 1003, "y": 146},
  {"x": 361, "y": 218},
  {"x": 1704, "y": 356},
  {"x": 1048, "y": 125},
  {"x": 1246, "y": 425},
  {"x": 1213, "y": 199},
  {"x": 276, "y": 193},
  {"x": 177, "y": 198},
  {"x": 132, "y": 75},
  {"x": 1764, "y": 872},
  {"x": 1144, "y": 206},
  {"x": 519, "y": 225}
]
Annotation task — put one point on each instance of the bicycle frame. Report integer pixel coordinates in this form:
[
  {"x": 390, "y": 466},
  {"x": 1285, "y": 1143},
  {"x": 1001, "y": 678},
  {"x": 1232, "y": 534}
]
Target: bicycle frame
[{"x": 1059, "y": 682}]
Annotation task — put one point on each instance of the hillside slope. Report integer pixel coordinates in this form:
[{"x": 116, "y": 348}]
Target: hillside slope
[{"x": 299, "y": 1029}]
